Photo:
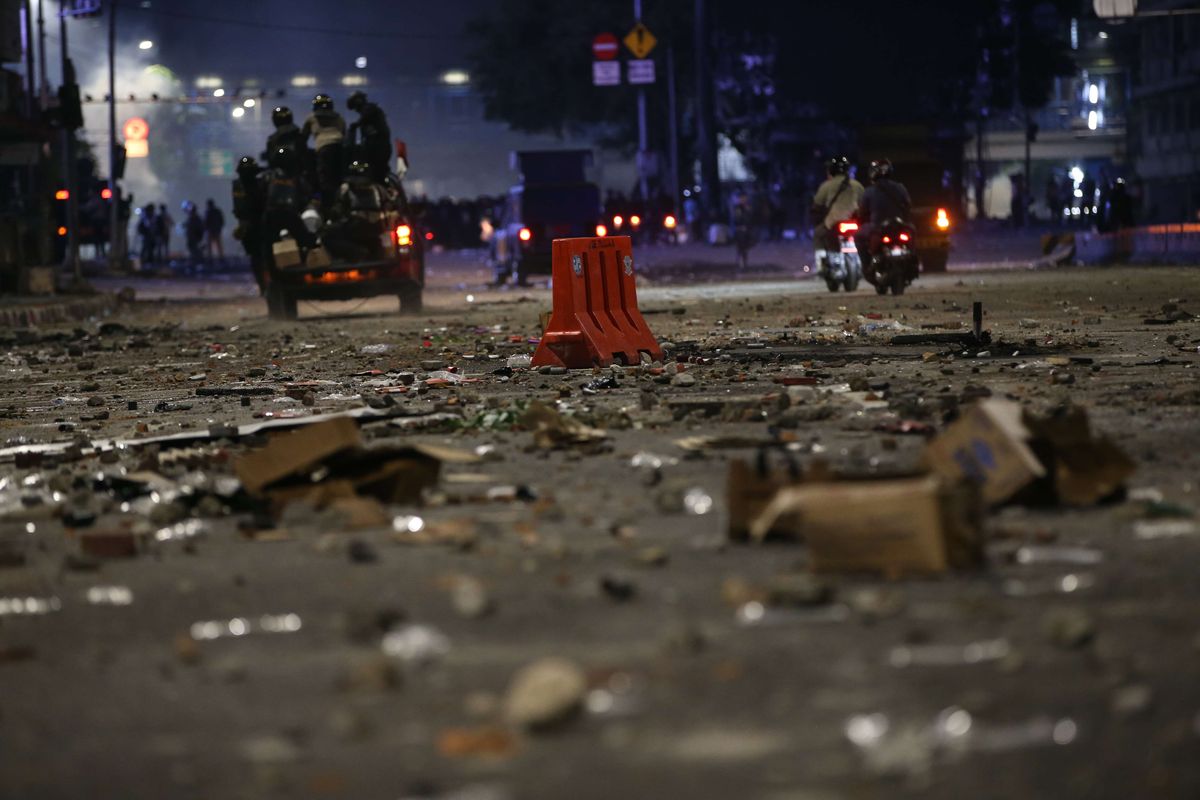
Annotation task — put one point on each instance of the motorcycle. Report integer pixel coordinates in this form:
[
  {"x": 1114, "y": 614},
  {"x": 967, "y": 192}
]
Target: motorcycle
[
  {"x": 843, "y": 267},
  {"x": 894, "y": 263}
]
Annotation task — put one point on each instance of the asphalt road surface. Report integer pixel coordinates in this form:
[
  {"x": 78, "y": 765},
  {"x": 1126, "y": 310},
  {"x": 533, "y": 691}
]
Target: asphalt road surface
[{"x": 352, "y": 655}]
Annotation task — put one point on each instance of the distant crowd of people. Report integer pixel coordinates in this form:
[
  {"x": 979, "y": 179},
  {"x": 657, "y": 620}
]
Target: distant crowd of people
[
  {"x": 1107, "y": 204},
  {"x": 202, "y": 233}
]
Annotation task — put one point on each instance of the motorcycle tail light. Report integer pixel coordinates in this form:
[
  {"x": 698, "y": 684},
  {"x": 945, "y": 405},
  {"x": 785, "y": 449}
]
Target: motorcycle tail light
[
  {"x": 887, "y": 240},
  {"x": 904, "y": 237},
  {"x": 847, "y": 227}
]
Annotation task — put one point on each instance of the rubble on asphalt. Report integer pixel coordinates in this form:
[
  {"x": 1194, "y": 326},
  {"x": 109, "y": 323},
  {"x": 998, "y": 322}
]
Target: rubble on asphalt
[{"x": 929, "y": 545}]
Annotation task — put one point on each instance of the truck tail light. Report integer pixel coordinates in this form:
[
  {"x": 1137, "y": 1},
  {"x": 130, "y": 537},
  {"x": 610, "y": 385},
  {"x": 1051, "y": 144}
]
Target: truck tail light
[
  {"x": 403, "y": 235},
  {"x": 669, "y": 222},
  {"x": 601, "y": 230},
  {"x": 943, "y": 220},
  {"x": 525, "y": 234}
]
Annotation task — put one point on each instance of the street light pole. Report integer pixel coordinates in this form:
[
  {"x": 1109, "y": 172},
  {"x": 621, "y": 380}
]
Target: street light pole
[
  {"x": 70, "y": 169},
  {"x": 115, "y": 241},
  {"x": 641, "y": 109}
]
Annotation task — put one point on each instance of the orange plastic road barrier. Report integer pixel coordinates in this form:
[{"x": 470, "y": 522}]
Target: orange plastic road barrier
[{"x": 595, "y": 320}]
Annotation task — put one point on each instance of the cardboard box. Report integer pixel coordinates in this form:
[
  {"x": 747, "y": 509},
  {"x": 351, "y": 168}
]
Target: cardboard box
[
  {"x": 295, "y": 452},
  {"x": 286, "y": 253},
  {"x": 37, "y": 280},
  {"x": 920, "y": 525},
  {"x": 317, "y": 257},
  {"x": 988, "y": 445}
]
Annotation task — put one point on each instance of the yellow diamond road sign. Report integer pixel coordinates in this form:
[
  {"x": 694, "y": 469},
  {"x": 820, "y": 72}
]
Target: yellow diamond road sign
[{"x": 640, "y": 41}]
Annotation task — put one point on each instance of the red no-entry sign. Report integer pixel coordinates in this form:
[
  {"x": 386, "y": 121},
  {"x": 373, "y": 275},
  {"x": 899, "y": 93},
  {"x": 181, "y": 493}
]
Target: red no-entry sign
[{"x": 605, "y": 47}]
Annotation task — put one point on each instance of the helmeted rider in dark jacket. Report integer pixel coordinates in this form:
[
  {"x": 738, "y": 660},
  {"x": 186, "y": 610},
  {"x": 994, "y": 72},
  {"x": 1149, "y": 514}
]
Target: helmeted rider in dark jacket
[
  {"x": 328, "y": 130},
  {"x": 372, "y": 134},
  {"x": 884, "y": 200},
  {"x": 249, "y": 205}
]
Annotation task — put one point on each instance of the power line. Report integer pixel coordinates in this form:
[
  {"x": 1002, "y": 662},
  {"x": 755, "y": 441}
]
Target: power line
[{"x": 293, "y": 28}]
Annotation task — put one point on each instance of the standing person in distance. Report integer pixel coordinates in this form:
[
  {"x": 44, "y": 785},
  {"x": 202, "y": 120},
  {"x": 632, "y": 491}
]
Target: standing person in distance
[{"x": 375, "y": 146}]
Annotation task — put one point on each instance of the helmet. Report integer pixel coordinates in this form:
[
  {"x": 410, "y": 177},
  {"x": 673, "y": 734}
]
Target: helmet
[
  {"x": 247, "y": 166},
  {"x": 881, "y": 168},
  {"x": 838, "y": 165},
  {"x": 357, "y": 100},
  {"x": 322, "y": 102},
  {"x": 311, "y": 219},
  {"x": 358, "y": 168},
  {"x": 282, "y": 115}
]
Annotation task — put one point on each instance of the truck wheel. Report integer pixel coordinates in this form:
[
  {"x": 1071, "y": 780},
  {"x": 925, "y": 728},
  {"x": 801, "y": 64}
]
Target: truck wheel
[
  {"x": 410, "y": 299},
  {"x": 280, "y": 303}
]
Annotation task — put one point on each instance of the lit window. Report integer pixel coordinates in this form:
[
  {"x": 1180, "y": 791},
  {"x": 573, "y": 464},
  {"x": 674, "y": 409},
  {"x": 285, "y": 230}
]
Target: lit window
[
  {"x": 354, "y": 80},
  {"x": 304, "y": 80}
]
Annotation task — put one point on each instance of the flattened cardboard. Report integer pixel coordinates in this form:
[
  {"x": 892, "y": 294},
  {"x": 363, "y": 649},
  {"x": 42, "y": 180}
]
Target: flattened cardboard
[
  {"x": 988, "y": 445},
  {"x": 290, "y": 453}
]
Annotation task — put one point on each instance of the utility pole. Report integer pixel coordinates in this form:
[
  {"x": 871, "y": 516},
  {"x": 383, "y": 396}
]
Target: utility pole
[
  {"x": 706, "y": 122},
  {"x": 31, "y": 103},
  {"x": 45, "y": 84},
  {"x": 641, "y": 111},
  {"x": 673, "y": 129},
  {"x": 70, "y": 168},
  {"x": 116, "y": 239}
]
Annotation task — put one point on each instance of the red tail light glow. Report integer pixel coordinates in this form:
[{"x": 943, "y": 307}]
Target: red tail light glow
[
  {"x": 887, "y": 240},
  {"x": 62, "y": 194},
  {"x": 943, "y": 220},
  {"x": 904, "y": 237},
  {"x": 525, "y": 234},
  {"x": 62, "y": 230},
  {"x": 635, "y": 220},
  {"x": 403, "y": 235},
  {"x": 601, "y": 230},
  {"x": 429, "y": 236},
  {"x": 669, "y": 223},
  {"x": 618, "y": 221},
  {"x": 847, "y": 227},
  {"x": 106, "y": 194}
]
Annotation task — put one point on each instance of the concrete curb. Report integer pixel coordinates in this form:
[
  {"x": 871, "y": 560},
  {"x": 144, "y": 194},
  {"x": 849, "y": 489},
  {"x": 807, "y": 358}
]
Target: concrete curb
[{"x": 25, "y": 313}]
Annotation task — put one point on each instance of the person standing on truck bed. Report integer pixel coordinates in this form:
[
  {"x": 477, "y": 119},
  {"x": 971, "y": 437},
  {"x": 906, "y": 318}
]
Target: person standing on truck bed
[
  {"x": 375, "y": 147},
  {"x": 248, "y": 208},
  {"x": 328, "y": 130}
]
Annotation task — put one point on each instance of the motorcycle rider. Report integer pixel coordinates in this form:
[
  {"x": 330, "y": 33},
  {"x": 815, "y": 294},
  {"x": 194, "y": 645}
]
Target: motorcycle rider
[
  {"x": 376, "y": 143},
  {"x": 836, "y": 200},
  {"x": 328, "y": 130},
  {"x": 884, "y": 200},
  {"x": 248, "y": 209}
]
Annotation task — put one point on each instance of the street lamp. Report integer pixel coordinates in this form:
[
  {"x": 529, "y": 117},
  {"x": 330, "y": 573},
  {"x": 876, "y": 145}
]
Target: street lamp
[
  {"x": 239, "y": 112},
  {"x": 249, "y": 102},
  {"x": 455, "y": 77},
  {"x": 218, "y": 92},
  {"x": 145, "y": 44}
]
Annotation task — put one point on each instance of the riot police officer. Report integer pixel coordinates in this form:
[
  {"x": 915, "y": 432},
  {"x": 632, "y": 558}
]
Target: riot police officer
[
  {"x": 285, "y": 194},
  {"x": 248, "y": 209},
  {"x": 328, "y": 130},
  {"x": 286, "y": 134},
  {"x": 371, "y": 134},
  {"x": 357, "y": 213}
]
